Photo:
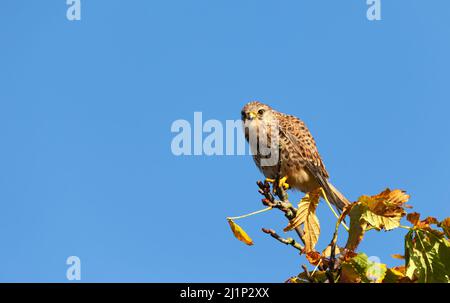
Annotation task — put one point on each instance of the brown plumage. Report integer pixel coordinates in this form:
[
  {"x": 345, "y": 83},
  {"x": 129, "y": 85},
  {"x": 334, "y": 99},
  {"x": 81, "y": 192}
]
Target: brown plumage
[{"x": 299, "y": 159}]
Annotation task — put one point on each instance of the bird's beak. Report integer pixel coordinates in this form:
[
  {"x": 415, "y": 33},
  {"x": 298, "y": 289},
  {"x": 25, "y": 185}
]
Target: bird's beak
[{"x": 251, "y": 116}]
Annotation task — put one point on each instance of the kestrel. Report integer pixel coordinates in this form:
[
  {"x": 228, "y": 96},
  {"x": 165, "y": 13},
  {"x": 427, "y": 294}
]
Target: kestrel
[{"x": 299, "y": 163}]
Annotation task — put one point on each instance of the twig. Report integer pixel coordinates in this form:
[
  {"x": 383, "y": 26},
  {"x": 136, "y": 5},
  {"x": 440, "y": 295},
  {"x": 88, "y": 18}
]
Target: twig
[
  {"x": 283, "y": 204},
  {"x": 250, "y": 214},
  {"x": 308, "y": 275},
  {"x": 288, "y": 241}
]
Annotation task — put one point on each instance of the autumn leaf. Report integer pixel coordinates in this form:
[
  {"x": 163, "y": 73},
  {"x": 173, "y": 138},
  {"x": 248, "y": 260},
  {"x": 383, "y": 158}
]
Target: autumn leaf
[
  {"x": 385, "y": 210},
  {"x": 361, "y": 269},
  {"x": 294, "y": 280},
  {"x": 445, "y": 225},
  {"x": 357, "y": 227},
  {"x": 239, "y": 233},
  {"x": 327, "y": 251},
  {"x": 382, "y": 211},
  {"x": 306, "y": 215},
  {"x": 313, "y": 257},
  {"x": 319, "y": 276},
  {"x": 398, "y": 256},
  {"x": 307, "y": 204},
  {"x": 413, "y": 218},
  {"x": 396, "y": 275},
  {"x": 312, "y": 232},
  {"x": 349, "y": 274},
  {"x": 425, "y": 224}
]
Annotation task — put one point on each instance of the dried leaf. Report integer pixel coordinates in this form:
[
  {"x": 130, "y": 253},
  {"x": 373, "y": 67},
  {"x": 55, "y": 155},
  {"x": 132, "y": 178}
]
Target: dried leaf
[
  {"x": 312, "y": 232},
  {"x": 239, "y": 233},
  {"x": 306, "y": 215},
  {"x": 313, "y": 257},
  {"x": 393, "y": 276},
  {"x": 431, "y": 220},
  {"x": 398, "y": 256},
  {"x": 445, "y": 225},
  {"x": 307, "y": 204},
  {"x": 357, "y": 227},
  {"x": 327, "y": 251},
  {"x": 413, "y": 218},
  {"x": 384, "y": 210},
  {"x": 349, "y": 274}
]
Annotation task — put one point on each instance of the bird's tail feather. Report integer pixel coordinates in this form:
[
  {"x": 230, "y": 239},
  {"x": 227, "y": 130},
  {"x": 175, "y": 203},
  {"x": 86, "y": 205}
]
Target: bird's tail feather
[{"x": 336, "y": 198}]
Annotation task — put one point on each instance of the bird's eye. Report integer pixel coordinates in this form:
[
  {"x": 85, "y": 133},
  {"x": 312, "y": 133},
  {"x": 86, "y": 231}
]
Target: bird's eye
[
  {"x": 261, "y": 111},
  {"x": 242, "y": 114}
]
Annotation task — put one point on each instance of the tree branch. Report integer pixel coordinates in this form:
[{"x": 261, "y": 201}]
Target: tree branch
[
  {"x": 288, "y": 241},
  {"x": 283, "y": 204}
]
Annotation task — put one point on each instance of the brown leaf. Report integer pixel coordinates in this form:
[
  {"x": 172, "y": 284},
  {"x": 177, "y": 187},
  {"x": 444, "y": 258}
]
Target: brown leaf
[
  {"x": 413, "y": 218},
  {"x": 349, "y": 274},
  {"x": 385, "y": 210},
  {"x": 239, "y": 233},
  {"x": 313, "y": 257},
  {"x": 398, "y": 256},
  {"x": 388, "y": 203},
  {"x": 431, "y": 220},
  {"x": 357, "y": 227},
  {"x": 445, "y": 225},
  {"x": 394, "y": 275},
  {"x": 401, "y": 269}
]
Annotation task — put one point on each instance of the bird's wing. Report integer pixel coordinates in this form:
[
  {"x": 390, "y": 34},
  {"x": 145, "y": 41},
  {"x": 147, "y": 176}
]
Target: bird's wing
[{"x": 303, "y": 144}]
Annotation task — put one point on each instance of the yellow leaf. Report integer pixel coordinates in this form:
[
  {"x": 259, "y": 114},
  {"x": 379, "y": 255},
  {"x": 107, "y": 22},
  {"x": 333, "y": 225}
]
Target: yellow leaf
[
  {"x": 312, "y": 232},
  {"x": 306, "y": 215},
  {"x": 393, "y": 276},
  {"x": 307, "y": 204},
  {"x": 385, "y": 210},
  {"x": 327, "y": 251},
  {"x": 239, "y": 233}
]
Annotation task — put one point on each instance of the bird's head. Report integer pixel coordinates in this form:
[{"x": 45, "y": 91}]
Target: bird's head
[{"x": 256, "y": 112}]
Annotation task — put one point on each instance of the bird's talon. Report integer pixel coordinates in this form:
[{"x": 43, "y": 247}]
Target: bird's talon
[{"x": 281, "y": 183}]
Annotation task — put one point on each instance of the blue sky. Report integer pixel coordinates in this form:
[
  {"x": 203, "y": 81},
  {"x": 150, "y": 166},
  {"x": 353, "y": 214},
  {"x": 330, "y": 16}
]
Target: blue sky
[{"x": 86, "y": 109}]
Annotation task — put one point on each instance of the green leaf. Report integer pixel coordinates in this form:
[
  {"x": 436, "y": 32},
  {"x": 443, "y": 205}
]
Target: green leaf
[
  {"x": 380, "y": 222},
  {"x": 361, "y": 269},
  {"x": 427, "y": 257}
]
